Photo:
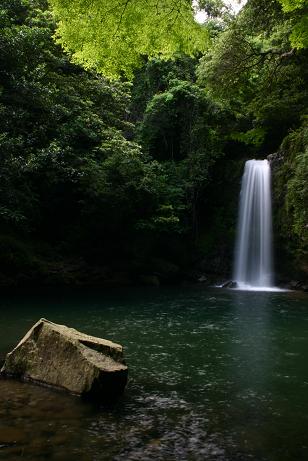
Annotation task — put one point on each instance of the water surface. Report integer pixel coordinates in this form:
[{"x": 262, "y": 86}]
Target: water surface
[{"x": 214, "y": 375}]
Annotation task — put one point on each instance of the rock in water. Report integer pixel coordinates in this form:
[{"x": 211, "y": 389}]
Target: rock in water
[{"x": 61, "y": 357}]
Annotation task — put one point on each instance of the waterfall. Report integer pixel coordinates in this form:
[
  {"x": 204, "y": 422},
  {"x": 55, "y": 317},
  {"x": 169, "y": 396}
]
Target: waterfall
[{"x": 253, "y": 253}]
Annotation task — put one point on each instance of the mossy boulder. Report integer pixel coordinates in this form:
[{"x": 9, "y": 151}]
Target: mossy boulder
[{"x": 63, "y": 358}]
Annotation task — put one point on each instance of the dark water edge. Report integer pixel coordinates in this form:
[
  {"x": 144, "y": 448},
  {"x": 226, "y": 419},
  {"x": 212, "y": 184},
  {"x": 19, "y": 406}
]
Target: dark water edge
[{"x": 214, "y": 375}]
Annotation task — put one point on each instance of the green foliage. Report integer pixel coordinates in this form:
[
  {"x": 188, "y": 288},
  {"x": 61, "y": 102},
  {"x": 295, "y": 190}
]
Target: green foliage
[
  {"x": 180, "y": 129},
  {"x": 295, "y": 148},
  {"x": 69, "y": 175},
  {"x": 113, "y": 37},
  {"x": 178, "y": 122},
  {"x": 291, "y": 5},
  {"x": 254, "y": 136},
  {"x": 297, "y": 197},
  {"x": 299, "y": 35},
  {"x": 103, "y": 170},
  {"x": 218, "y": 12},
  {"x": 291, "y": 197},
  {"x": 253, "y": 69},
  {"x": 52, "y": 114},
  {"x": 155, "y": 76}
]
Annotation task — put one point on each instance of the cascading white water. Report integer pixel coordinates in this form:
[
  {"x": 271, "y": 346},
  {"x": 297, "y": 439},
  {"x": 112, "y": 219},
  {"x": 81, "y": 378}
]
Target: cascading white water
[{"x": 253, "y": 254}]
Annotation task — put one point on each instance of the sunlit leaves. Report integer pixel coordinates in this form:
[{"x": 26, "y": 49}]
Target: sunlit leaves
[
  {"x": 113, "y": 36},
  {"x": 291, "y": 5},
  {"x": 299, "y": 35}
]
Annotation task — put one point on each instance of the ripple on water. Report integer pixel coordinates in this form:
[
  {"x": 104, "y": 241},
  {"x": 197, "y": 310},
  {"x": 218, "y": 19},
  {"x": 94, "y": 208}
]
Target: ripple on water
[{"x": 214, "y": 375}]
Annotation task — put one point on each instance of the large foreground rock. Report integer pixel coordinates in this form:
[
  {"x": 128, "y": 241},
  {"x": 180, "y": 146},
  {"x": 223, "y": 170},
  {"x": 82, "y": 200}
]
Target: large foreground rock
[{"x": 64, "y": 358}]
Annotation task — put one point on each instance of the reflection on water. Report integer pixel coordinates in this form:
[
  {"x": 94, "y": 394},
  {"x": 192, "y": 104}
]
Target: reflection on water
[{"x": 214, "y": 375}]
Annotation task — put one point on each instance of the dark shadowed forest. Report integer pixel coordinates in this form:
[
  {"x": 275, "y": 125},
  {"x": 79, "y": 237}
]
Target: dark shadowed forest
[{"x": 120, "y": 166}]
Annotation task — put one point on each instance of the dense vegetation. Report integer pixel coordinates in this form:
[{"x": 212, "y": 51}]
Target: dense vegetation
[
  {"x": 105, "y": 180},
  {"x": 114, "y": 36}
]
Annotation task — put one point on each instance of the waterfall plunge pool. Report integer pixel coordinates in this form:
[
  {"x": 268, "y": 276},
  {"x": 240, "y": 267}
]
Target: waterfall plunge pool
[
  {"x": 246, "y": 287},
  {"x": 216, "y": 375}
]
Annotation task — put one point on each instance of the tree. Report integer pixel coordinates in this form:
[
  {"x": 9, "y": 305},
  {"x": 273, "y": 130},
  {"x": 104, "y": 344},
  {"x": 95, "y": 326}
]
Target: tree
[
  {"x": 70, "y": 178},
  {"x": 180, "y": 129},
  {"x": 254, "y": 68},
  {"x": 113, "y": 36},
  {"x": 53, "y": 114},
  {"x": 299, "y": 35},
  {"x": 290, "y": 194}
]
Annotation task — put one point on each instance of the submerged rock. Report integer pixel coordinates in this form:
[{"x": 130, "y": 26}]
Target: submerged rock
[
  {"x": 63, "y": 358},
  {"x": 229, "y": 284}
]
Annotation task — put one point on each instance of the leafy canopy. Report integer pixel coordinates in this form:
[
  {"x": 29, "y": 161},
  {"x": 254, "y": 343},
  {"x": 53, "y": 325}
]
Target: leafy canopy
[
  {"x": 291, "y": 194},
  {"x": 299, "y": 35},
  {"x": 66, "y": 167},
  {"x": 254, "y": 68},
  {"x": 112, "y": 36},
  {"x": 291, "y": 5}
]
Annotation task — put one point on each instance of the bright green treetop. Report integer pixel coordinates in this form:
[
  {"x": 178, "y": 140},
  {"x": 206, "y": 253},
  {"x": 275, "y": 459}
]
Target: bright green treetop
[
  {"x": 111, "y": 36},
  {"x": 299, "y": 35},
  {"x": 291, "y": 5}
]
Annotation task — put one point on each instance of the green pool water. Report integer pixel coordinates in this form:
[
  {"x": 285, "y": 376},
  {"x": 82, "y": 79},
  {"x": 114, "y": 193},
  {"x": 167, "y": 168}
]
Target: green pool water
[{"x": 213, "y": 375}]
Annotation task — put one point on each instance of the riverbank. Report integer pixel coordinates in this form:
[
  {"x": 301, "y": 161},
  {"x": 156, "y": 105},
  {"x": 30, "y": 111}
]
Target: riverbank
[{"x": 76, "y": 274}]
